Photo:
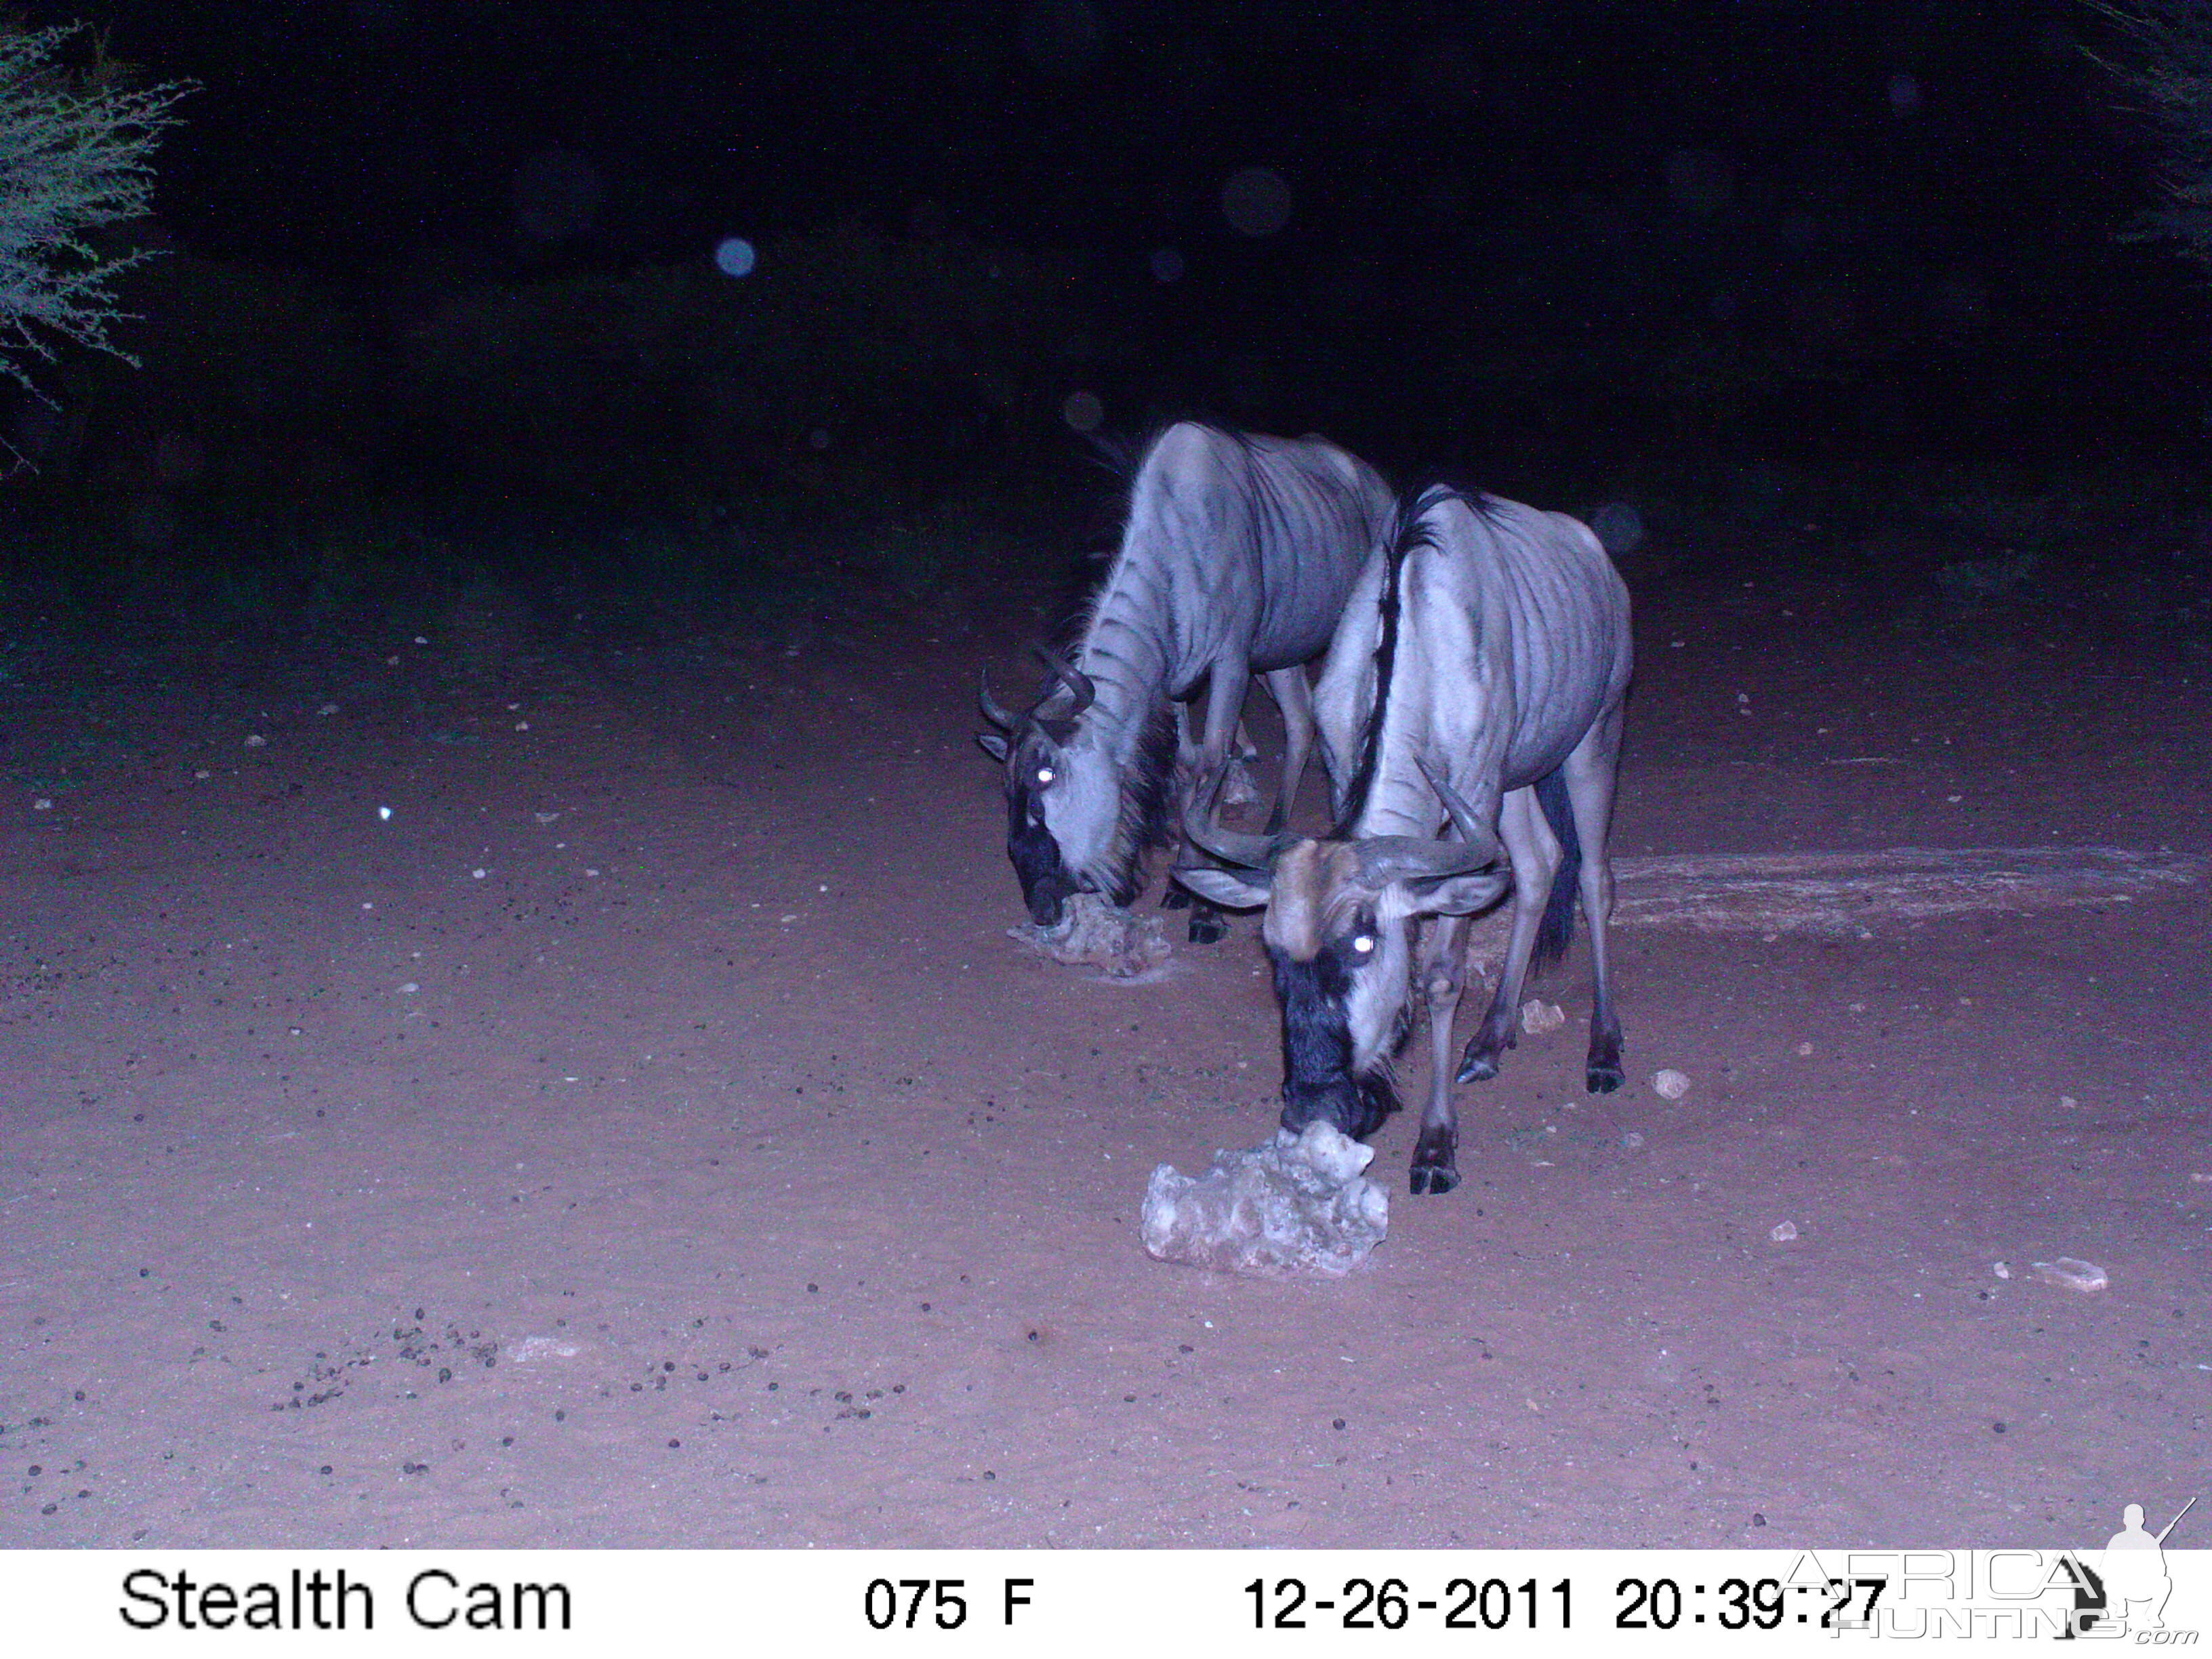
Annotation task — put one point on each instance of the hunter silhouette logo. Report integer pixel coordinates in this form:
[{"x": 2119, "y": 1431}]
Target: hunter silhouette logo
[{"x": 2128, "y": 1590}]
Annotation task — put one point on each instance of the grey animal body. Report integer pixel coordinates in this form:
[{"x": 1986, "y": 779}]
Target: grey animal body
[
  {"x": 1236, "y": 560},
  {"x": 1470, "y": 712}
]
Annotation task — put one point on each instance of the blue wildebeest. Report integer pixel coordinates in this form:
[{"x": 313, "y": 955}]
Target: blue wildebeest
[
  {"x": 1475, "y": 684},
  {"x": 1238, "y": 555}
]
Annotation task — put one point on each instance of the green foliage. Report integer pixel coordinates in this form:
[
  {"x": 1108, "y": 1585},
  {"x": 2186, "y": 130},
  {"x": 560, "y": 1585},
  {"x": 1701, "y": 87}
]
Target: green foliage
[
  {"x": 2167, "y": 47},
  {"x": 75, "y": 156}
]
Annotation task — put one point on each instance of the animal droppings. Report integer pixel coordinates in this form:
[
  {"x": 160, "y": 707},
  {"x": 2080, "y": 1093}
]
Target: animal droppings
[
  {"x": 1295, "y": 1204},
  {"x": 2072, "y": 1273},
  {"x": 1538, "y": 1016},
  {"x": 1097, "y": 934},
  {"x": 1670, "y": 1084}
]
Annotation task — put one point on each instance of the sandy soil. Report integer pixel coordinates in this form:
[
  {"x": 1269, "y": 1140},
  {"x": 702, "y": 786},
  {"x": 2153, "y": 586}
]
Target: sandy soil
[{"x": 649, "y": 1135}]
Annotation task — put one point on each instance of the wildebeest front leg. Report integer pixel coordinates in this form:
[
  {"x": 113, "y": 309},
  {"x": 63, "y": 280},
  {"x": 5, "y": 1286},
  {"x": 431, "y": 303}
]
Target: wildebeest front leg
[
  {"x": 1534, "y": 852},
  {"x": 1225, "y": 705},
  {"x": 1589, "y": 771},
  {"x": 1293, "y": 695},
  {"x": 1436, "y": 1154}
]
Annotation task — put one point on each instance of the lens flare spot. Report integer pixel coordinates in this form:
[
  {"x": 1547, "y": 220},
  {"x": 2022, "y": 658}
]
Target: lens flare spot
[
  {"x": 1083, "y": 412},
  {"x": 735, "y": 257},
  {"x": 1256, "y": 201}
]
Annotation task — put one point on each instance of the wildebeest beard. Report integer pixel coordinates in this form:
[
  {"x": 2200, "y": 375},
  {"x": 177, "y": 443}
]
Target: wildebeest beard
[
  {"x": 1318, "y": 1084},
  {"x": 1046, "y": 884}
]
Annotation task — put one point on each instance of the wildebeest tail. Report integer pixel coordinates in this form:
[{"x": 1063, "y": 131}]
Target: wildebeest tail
[{"x": 1558, "y": 924}]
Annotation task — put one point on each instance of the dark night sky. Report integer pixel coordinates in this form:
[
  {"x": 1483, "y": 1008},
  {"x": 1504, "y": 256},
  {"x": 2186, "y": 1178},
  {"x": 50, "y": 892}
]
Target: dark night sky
[
  {"x": 1614, "y": 164},
  {"x": 332, "y": 135}
]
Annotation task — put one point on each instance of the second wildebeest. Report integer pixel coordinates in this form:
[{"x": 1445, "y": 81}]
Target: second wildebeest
[
  {"x": 1236, "y": 559},
  {"x": 1475, "y": 686}
]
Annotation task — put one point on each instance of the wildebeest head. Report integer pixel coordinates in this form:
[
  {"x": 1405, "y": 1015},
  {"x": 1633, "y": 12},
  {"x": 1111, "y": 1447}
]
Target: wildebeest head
[
  {"x": 1063, "y": 797},
  {"x": 1338, "y": 934}
]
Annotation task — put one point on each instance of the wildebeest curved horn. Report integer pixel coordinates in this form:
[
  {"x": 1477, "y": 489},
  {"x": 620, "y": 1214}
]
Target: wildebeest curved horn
[
  {"x": 1231, "y": 847},
  {"x": 1076, "y": 680},
  {"x": 1472, "y": 830},
  {"x": 1416, "y": 858},
  {"x": 1003, "y": 719}
]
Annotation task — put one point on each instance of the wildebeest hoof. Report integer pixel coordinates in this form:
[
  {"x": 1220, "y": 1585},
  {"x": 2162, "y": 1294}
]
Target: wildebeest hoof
[
  {"x": 1176, "y": 899},
  {"x": 1238, "y": 788},
  {"x": 1478, "y": 1065},
  {"x": 1435, "y": 1170},
  {"x": 1604, "y": 1076},
  {"x": 1208, "y": 926}
]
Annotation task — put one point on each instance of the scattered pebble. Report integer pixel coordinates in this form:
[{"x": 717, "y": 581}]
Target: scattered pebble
[
  {"x": 1670, "y": 1084},
  {"x": 531, "y": 1349},
  {"x": 44, "y": 804},
  {"x": 2004, "y": 1270},
  {"x": 2072, "y": 1273},
  {"x": 1784, "y": 1231},
  {"x": 1804, "y": 1051},
  {"x": 545, "y": 818},
  {"x": 1538, "y": 1016},
  {"x": 1631, "y": 1141},
  {"x": 256, "y": 741},
  {"x": 477, "y": 873},
  {"x": 2067, "y": 1103},
  {"x": 383, "y": 813},
  {"x": 1858, "y": 1007},
  {"x": 328, "y": 709},
  {"x": 409, "y": 989}
]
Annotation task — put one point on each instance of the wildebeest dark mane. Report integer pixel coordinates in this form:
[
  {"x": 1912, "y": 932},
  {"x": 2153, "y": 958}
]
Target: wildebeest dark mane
[
  {"x": 1147, "y": 816},
  {"x": 1408, "y": 532}
]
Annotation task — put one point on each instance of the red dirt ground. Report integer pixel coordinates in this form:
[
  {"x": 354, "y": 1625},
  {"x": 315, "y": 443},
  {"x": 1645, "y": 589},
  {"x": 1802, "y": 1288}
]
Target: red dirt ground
[{"x": 704, "y": 1165}]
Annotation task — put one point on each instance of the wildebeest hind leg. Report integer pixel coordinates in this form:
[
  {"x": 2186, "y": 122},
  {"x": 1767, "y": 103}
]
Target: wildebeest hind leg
[
  {"x": 1535, "y": 854},
  {"x": 1293, "y": 695},
  {"x": 1436, "y": 1154},
  {"x": 1591, "y": 771}
]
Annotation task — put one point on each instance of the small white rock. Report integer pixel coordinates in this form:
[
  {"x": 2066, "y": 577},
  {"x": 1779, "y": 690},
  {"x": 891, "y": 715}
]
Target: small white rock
[
  {"x": 1538, "y": 1016},
  {"x": 328, "y": 709},
  {"x": 409, "y": 989},
  {"x": 383, "y": 813},
  {"x": 1804, "y": 1051},
  {"x": 2072, "y": 1273},
  {"x": 1784, "y": 1231},
  {"x": 256, "y": 741},
  {"x": 1670, "y": 1084},
  {"x": 1631, "y": 1141},
  {"x": 2002, "y": 1270},
  {"x": 43, "y": 804},
  {"x": 478, "y": 873},
  {"x": 531, "y": 1349},
  {"x": 2067, "y": 1103},
  {"x": 545, "y": 818}
]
